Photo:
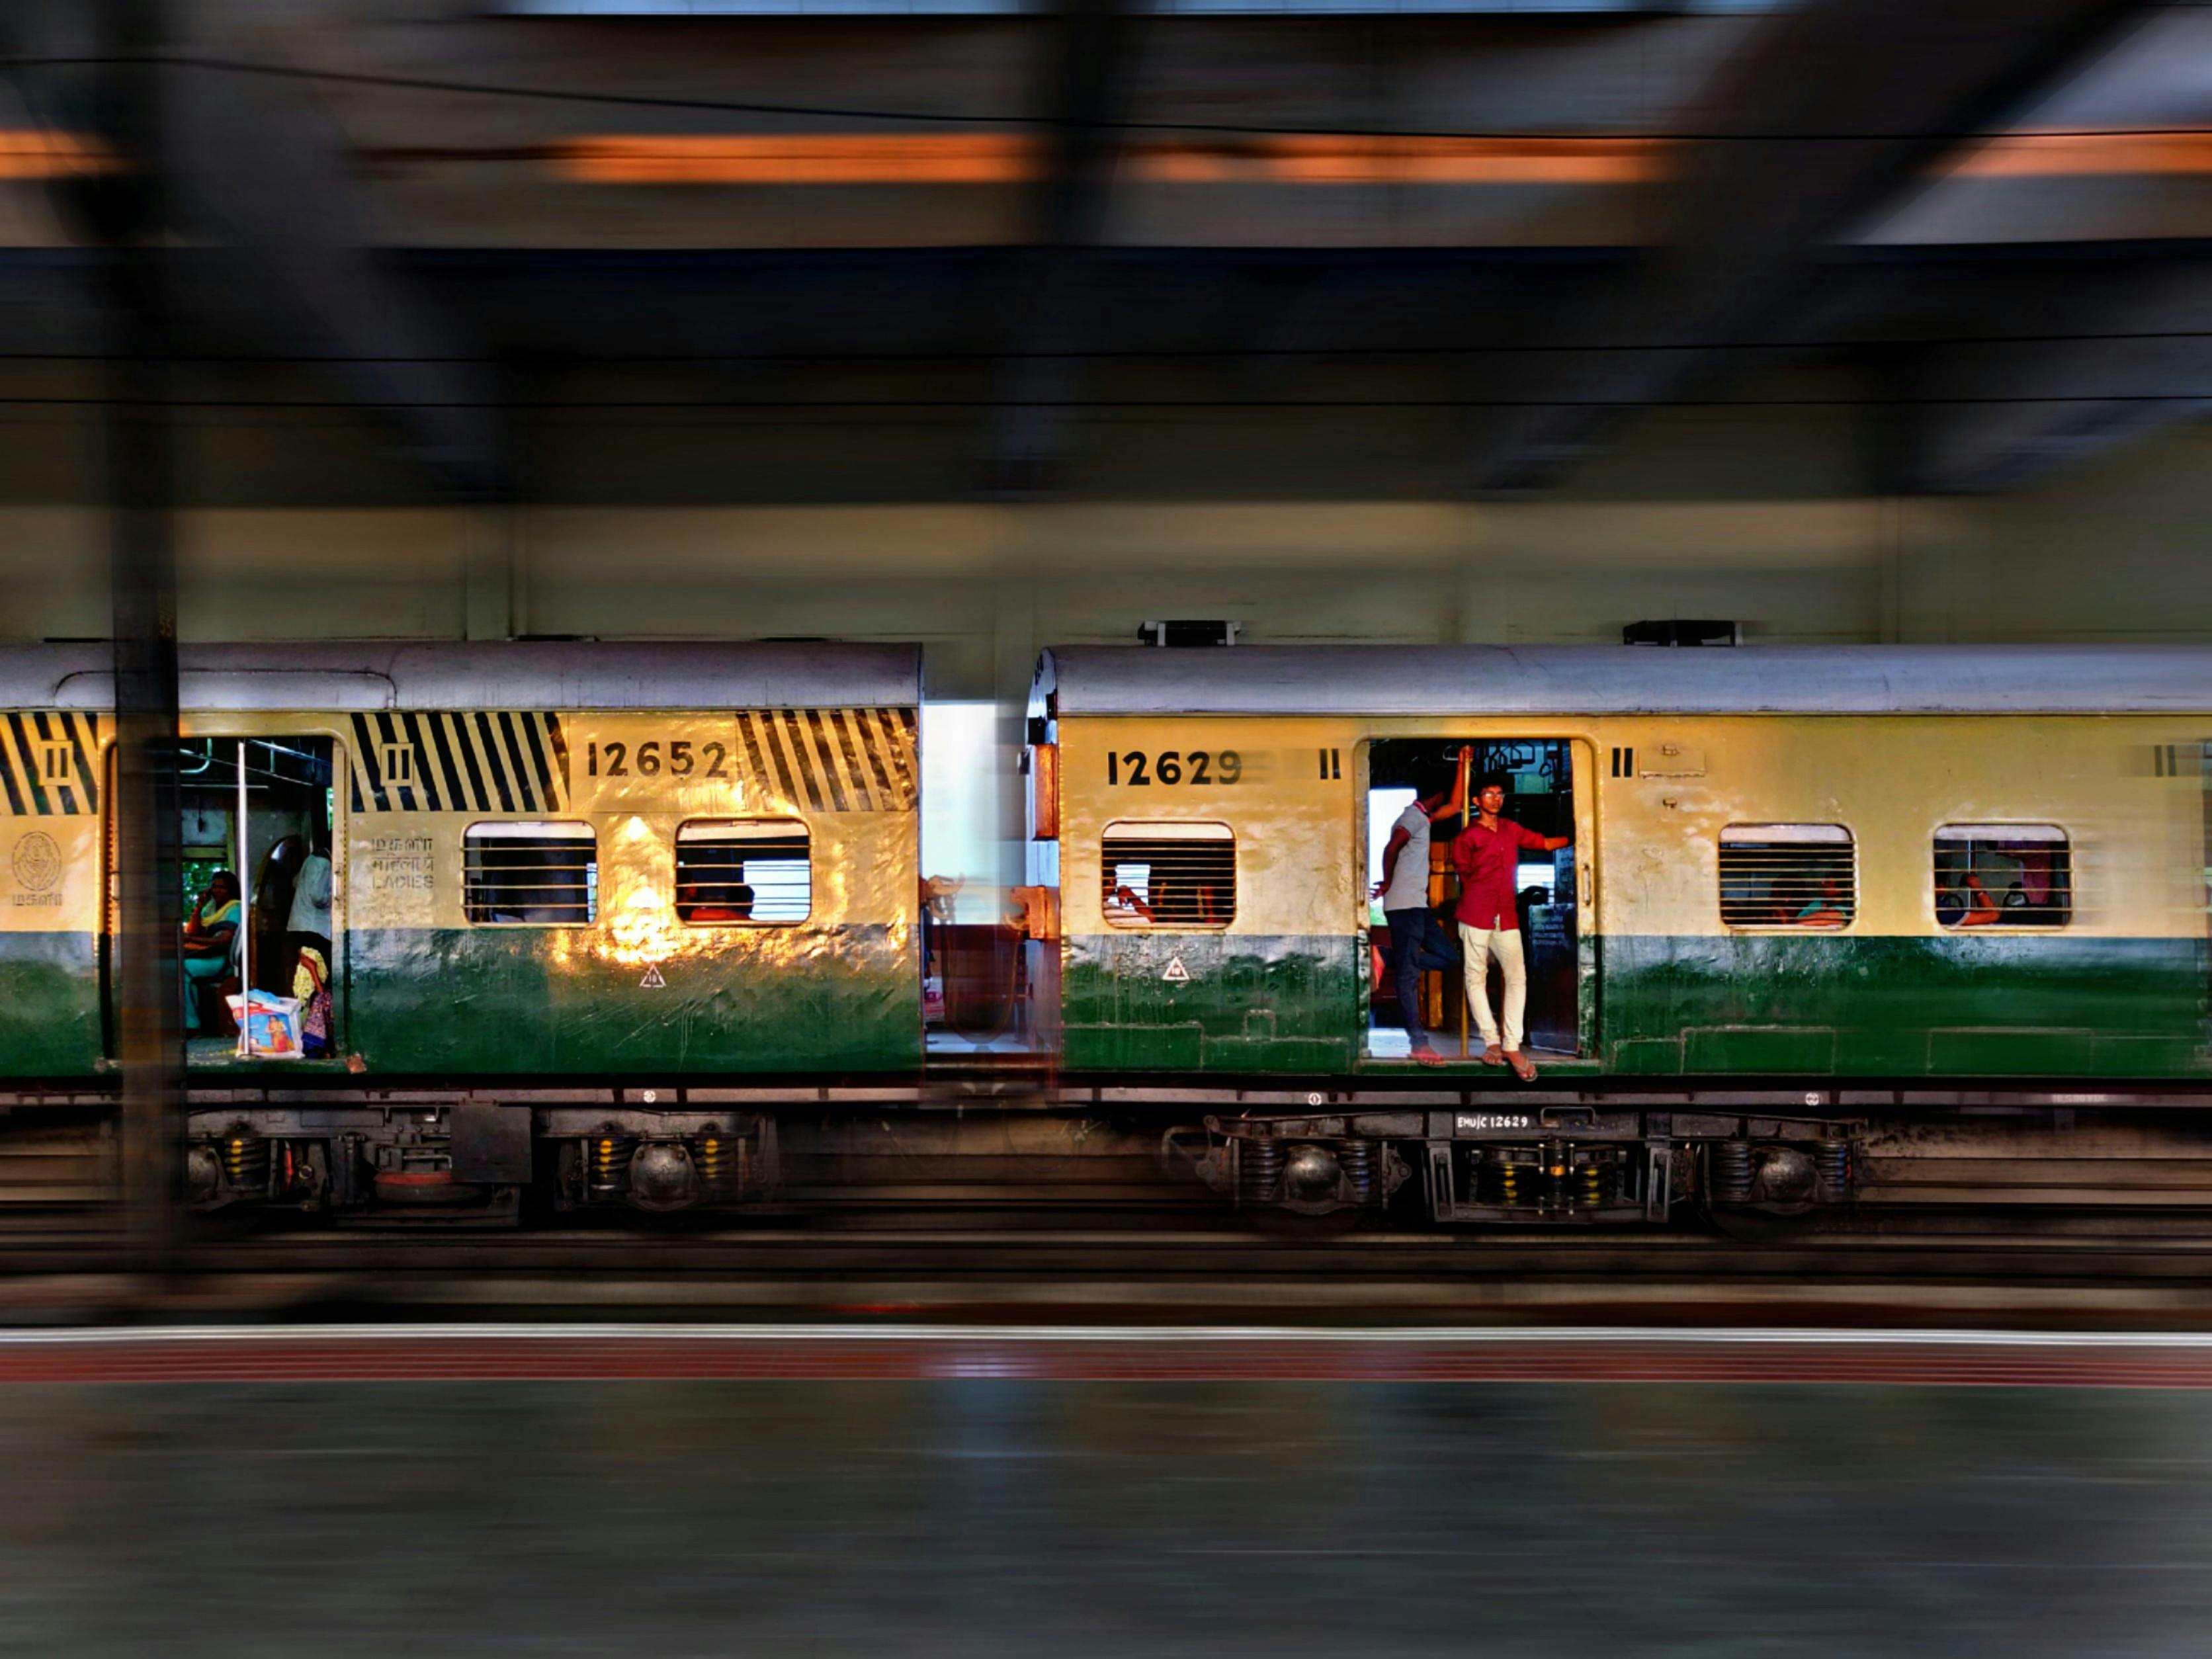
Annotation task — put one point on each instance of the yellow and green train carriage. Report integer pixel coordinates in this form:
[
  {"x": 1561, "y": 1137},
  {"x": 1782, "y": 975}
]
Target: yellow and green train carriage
[
  {"x": 1922, "y": 867},
  {"x": 550, "y": 862}
]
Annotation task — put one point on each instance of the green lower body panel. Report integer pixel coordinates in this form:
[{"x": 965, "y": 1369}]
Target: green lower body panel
[
  {"x": 524, "y": 1001},
  {"x": 49, "y": 1005},
  {"x": 1959, "y": 1005},
  {"x": 1210, "y": 1002}
]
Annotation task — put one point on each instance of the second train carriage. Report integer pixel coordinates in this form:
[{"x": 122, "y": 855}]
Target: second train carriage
[
  {"x": 1933, "y": 867},
  {"x": 1685, "y": 779}
]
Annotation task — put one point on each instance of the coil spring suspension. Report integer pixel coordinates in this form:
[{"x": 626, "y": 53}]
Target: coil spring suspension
[
  {"x": 715, "y": 1156},
  {"x": 1833, "y": 1158},
  {"x": 609, "y": 1156},
  {"x": 1731, "y": 1167},
  {"x": 1259, "y": 1170},
  {"x": 1499, "y": 1182},
  {"x": 1357, "y": 1158},
  {"x": 245, "y": 1161},
  {"x": 1594, "y": 1184}
]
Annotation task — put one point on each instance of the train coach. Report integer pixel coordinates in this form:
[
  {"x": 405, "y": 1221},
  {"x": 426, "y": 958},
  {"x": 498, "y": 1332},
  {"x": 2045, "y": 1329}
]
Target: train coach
[
  {"x": 1797, "y": 879},
  {"x": 550, "y": 863}
]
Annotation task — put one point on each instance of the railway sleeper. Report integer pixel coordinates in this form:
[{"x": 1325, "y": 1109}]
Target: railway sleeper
[{"x": 1571, "y": 1164}]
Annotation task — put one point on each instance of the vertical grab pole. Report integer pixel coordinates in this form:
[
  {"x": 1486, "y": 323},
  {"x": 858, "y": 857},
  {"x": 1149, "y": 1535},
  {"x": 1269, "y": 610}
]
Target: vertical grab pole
[
  {"x": 245, "y": 921},
  {"x": 1466, "y": 808}
]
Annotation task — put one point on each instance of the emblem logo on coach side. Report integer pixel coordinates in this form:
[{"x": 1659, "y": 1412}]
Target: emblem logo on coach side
[
  {"x": 37, "y": 862},
  {"x": 1176, "y": 974}
]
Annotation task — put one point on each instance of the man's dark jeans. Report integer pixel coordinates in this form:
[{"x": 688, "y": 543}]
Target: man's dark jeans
[{"x": 1419, "y": 945}]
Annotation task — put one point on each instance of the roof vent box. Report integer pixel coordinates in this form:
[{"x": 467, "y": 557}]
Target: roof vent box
[
  {"x": 1683, "y": 630},
  {"x": 1188, "y": 633}
]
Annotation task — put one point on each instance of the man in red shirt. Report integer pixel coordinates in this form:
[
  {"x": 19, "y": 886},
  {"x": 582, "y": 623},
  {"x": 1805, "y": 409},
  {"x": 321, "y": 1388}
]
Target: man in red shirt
[{"x": 1487, "y": 855}]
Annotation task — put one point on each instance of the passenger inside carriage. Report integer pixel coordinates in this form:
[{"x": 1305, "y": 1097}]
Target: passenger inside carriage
[
  {"x": 731, "y": 901},
  {"x": 211, "y": 955},
  {"x": 1424, "y": 988},
  {"x": 1419, "y": 943},
  {"x": 1830, "y": 908},
  {"x": 279, "y": 928},
  {"x": 1486, "y": 855}
]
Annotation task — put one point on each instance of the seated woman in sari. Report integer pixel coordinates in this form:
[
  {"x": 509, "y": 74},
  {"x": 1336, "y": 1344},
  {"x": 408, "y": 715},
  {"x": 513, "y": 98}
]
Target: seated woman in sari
[{"x": 210, "y": 937}]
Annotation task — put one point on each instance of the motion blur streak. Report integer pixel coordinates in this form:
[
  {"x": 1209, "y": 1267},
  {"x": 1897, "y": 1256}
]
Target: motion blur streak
[
  {"x": 2075, "y": 155},
  {"x": 36, "y": 155},
  {"x": 845, "y": 158},
  {"x": 1119, "y": 1353}
]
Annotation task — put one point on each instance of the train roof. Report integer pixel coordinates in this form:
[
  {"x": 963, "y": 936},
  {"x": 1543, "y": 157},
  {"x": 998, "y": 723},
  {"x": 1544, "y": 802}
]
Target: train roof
[
  {"x": 525, "y": 674},
  {"x": 1473, "y": 680}
]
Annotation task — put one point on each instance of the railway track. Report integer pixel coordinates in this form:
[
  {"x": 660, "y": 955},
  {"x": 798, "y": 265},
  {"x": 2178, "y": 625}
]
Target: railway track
[{"x": 2080, "y": 1269}]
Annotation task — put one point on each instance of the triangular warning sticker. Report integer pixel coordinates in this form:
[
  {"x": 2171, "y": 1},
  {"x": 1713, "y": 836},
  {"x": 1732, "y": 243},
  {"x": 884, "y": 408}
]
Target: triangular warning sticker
[
  {"x": 1177, "y": 973},
  {"x": 652, "y": 980}
]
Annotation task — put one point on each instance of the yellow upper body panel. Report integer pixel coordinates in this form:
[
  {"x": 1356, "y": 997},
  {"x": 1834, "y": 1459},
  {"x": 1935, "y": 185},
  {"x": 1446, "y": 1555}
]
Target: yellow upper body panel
[
  {"x": 2127, "y": 791},
  {"x": 849, "y": 776}
]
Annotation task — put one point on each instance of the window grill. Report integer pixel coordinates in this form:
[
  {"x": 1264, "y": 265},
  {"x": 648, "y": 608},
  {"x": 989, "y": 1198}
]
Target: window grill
[
  {"x": 1169, "y": 875},
  {"x": 546, "y": 873},
  {"x": 730, "y": 871},
  {"x": 2004, "y": 875},
  {"x": 1788, "y": 875}
]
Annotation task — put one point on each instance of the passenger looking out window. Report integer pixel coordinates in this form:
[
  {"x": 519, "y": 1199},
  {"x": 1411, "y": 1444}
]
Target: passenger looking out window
[
  {"x": 2010, "y": 875},
  {"x": 758, "y": 871},
  {"x": 1831, "y": 907},
  {"x": 1487, "y": 855},
  {"x": 1788, "y": 875},
  {"x": 1168, "y": 875},
  {"x": 732, "y": 902}
]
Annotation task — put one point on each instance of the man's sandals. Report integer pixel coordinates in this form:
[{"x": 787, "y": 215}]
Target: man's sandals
[{"x": 1522, "y": 1067}]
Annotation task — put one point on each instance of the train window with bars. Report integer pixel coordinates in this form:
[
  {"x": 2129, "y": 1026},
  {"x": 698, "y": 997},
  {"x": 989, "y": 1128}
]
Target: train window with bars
[
  {"x": 2004, "y": 875},
  {"x": 1788, "y": 875},
  {"x": 1168, "y": 875},
  {"x": 730, "y": 871},
  {"x": 542, "y": 873}
]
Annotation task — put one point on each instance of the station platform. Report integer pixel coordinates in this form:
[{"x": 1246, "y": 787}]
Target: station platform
[{"x": 1098, "y": 1492}]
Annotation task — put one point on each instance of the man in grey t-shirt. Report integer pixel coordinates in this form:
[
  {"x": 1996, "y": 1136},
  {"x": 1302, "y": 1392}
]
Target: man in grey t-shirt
[{"x": 1419, "y": 943}]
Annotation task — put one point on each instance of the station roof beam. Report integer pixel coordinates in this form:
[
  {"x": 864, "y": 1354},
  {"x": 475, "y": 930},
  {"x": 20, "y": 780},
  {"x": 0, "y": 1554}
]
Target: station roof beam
[
  {"x": 2140, "y": 360},
  {"x": 283, "y": 256},
  {"x": 1088, "y": 73},
  {"x": 1826, "y": 110}
]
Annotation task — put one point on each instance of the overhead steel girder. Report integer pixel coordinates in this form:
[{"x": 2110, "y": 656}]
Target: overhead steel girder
[
  {"x": 1995, "y": 417},
  {"x": 251, "y": 167},
  {"x": 1828, "y": 108},
  {"x": 1089, "y": 76}
]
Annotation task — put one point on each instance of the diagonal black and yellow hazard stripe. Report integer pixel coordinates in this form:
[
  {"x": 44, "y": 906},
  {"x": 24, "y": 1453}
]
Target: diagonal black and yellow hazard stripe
[
  {"x": 830, "y": 760},
  {"x": 484, "y": 760},
  {"x": 50, "y": 763}
]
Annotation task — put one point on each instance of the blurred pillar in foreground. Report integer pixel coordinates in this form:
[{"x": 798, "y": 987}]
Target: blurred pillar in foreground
[{"x": 145, "y": 972}]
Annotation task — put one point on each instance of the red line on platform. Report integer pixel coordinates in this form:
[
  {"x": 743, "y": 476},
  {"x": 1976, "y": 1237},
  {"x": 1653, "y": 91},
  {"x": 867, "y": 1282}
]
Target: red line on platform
[{"x": 268, "y": 1357}]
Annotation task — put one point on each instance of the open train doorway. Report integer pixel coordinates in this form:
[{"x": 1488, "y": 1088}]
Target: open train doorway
[
  {"x": 262, "y": 927},
  {"x": 1414, "y": 956}
]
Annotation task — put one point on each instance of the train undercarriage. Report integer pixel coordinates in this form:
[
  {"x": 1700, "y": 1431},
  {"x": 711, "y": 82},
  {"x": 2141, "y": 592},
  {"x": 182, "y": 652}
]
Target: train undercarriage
[
  {"x": 429, "y": 1157},
  {"x": 472, "y": 1160},
  {"x": 1559, "y": 1163}
]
